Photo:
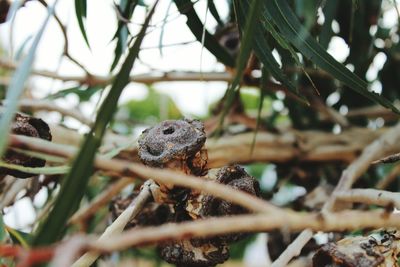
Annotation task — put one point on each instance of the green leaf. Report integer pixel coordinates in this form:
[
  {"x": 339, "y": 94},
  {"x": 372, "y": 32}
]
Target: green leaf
[
  {"x": 326, "y": 31},
  {"x": 214, "y": 12},
  {"x": 17, "y": 84},
  {"x": 19, "y": 237},
  {"x": 246, "y": 42},
  {"x": 80, "y": 11},
  {"x": 185, "y": 7},
  {"x": 3, "y": 233},
  {"x": 83, "y": 94},
  {"x": 75, "y": 182},
  {"x": 264, "y": 51},
  {"x": 126, "y": 8},
  {"x": 37, "y": 170},
  {"x": 290, "y": 27}
]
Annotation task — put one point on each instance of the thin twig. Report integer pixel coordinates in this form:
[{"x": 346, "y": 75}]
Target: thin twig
[
  {"x": 389, "y": 159},
  {"x": 371, "y": 196},
  {"x": 140, "y": 78},
  {"x": 66, "y": 42},
  {"x": 35, "y": 104},
  {"x": 129, "y": 169},
  {"x": 119, "y": 224},
  {"x": 293, "y": 249},
  {"x": 292, "y": 221},
  {"x": 87, "y": 211},
  {"x": 386, "y": 144},
  {"x": 389, "y": 178}
]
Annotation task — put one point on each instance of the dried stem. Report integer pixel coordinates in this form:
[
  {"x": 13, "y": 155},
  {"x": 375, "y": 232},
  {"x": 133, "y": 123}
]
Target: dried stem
[
  {"x": 388, "y": 179},
  {"x": 87, "y": 211},
  {"x": 292, "y": 221},
  {"x": 150, "y": 78},
  {"x": 371, "y": 196},
  {"x": 34, "y": 104},
  {"x": 293, "y": 249},
  {"x": 129, "y": 169},
  {"x": 386, "y": 144},
  {"x": 119, "y": 224}
]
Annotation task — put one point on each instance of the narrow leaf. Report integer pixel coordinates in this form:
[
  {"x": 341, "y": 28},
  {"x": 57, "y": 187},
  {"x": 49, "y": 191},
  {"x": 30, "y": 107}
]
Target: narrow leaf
[
  {"x": 17, "y": 84},
  {"x": 185, "y": 7},
  {"x": 80, "y": 11},
  {"x": 290, "y": 27},
  {"x": 37, "y": 170},
  {"x": 126, "y": 9},
  {"x": 75, "y": 182},
  {"x": 326, "y": 31},
  {"x": 214, "y": 12},
  {"x": 264, "y": 51},
  {"x": 246, "y": 42}
]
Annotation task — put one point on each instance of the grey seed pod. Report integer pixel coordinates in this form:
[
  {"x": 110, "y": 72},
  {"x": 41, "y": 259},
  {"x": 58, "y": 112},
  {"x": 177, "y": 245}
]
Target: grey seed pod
[{"x": 171, "y": 140}]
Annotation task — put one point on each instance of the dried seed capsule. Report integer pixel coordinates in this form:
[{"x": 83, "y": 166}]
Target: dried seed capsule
[
  {"x": 28, "y": 126},
  {"x": 152, "y": 213},
  {"x": 170, "y": 141},
  {"x": 174, "y": 144},
  {"x": 202, "y": 206},
  {"x": 195, "y": 252}
]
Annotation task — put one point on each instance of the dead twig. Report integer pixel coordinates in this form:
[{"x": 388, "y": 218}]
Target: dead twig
[
  {"x": 87, "y": 211},
  {"x": 388, "y": 179},
  {"x": 371, "y": 196},
  {"x": 129, "y": 169},
  {"x": 386, "y": 144},
  {"x": 35, "y": 104},
  {"x": 119, "y": 224},
  {"x": 292, "y": 221},
  {"x": 293, "y": 249}
]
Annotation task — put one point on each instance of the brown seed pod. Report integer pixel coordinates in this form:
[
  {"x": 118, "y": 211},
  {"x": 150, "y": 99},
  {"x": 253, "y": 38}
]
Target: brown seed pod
[
  {"x": 202, "y": 206},
  {"x": 28, "y": 126}
]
